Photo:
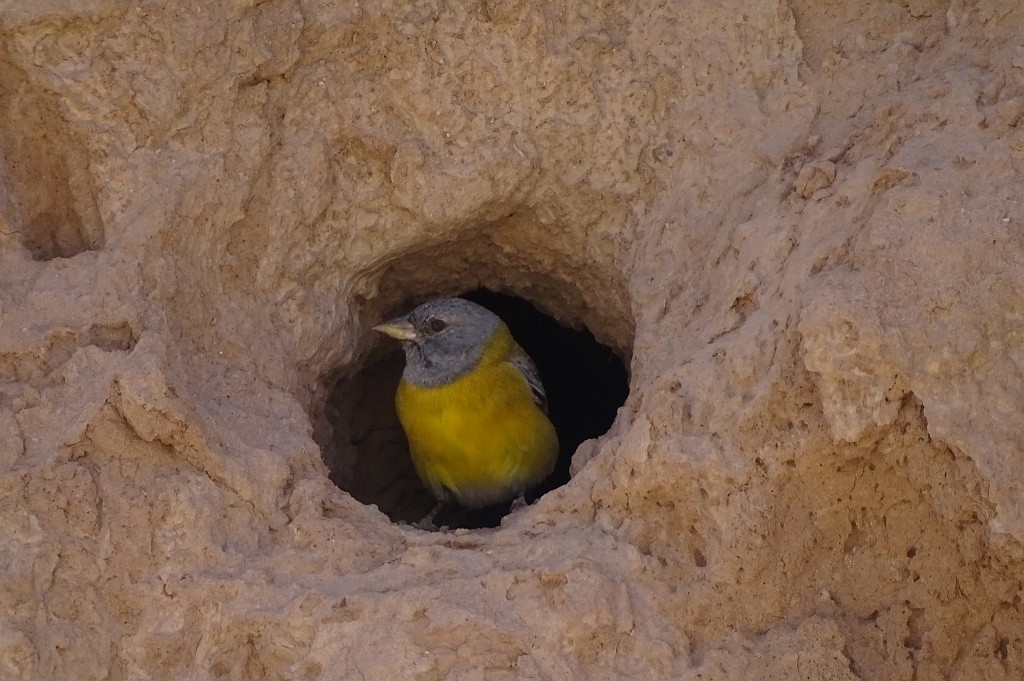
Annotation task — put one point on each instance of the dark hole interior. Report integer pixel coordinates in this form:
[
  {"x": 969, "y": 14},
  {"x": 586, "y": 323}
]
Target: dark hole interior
[{"x": 585, "y": 381}]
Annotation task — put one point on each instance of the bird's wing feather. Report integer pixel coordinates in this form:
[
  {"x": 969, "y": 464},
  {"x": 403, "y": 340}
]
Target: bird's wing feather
[{"x": 522, "y": 362}]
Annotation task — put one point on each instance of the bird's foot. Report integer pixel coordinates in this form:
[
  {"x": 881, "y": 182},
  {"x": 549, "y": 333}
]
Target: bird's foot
[
  {"x": 518, "y": 503},
  {"x": 427, "y": 524}
]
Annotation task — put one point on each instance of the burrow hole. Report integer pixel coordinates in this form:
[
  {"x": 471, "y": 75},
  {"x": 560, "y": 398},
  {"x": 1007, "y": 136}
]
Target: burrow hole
[{"x": 586, "y": 383}]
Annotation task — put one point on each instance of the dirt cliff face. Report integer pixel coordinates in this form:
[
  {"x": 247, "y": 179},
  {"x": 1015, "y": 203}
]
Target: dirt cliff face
[{"x": 800, "y": 223}]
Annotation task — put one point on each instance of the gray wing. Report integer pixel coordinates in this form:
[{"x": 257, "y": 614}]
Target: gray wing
[{"x": 520, "y": 360}]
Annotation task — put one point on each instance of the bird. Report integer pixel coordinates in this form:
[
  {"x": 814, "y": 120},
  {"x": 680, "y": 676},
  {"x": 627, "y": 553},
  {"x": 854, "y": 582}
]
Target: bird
[{"x": 472, "y": 406}]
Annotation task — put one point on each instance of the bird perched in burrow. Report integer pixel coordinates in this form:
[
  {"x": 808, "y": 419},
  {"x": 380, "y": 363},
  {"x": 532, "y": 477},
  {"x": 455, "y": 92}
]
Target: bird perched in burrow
[{"x": 472, "y": 405}]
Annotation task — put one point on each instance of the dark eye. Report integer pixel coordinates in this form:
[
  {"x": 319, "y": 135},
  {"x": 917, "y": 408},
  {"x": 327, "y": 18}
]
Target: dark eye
[{"x": 437, "y": 325}]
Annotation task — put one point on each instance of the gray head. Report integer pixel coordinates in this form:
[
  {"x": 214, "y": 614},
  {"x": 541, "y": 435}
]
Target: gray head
[{"x": 443, "y": 339}]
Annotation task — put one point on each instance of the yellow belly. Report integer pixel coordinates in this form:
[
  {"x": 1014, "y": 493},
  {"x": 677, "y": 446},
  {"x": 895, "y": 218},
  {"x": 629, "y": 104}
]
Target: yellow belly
[{"x": 480, "y": 439}]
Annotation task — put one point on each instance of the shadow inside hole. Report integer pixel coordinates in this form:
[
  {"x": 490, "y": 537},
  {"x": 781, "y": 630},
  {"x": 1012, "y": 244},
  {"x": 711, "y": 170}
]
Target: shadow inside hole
[{"x": 585, "y": 382}]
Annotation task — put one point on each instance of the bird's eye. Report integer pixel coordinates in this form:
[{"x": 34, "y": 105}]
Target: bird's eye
[{"x": 437, "y": 325}]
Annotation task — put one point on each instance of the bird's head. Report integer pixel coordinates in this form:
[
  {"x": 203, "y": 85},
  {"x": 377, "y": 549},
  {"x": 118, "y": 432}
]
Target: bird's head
[{"x": 443, "y": 339}]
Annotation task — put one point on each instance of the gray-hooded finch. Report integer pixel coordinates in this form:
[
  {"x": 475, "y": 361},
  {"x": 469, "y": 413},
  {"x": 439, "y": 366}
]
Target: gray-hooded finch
[{"x": 471, "y": 404}]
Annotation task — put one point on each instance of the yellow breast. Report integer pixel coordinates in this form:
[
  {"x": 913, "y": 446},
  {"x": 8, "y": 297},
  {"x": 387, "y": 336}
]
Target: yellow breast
[{"x": 480, "y": 439}]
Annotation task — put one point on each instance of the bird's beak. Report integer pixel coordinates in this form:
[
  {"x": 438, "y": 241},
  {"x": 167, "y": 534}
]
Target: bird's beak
[{"x": 398, "y": 328}]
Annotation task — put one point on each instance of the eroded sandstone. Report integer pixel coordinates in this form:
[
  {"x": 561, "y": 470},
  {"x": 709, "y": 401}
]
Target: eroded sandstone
[{"x": 800, "y": 222}]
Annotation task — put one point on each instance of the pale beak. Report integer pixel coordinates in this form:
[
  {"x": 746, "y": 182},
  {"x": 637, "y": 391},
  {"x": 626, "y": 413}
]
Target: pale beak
[{"x": 398, "y": 328}]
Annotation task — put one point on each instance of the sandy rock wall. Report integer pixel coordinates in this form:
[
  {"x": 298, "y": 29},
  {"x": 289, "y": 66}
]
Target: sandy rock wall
[{"x": 800, "y": 223}]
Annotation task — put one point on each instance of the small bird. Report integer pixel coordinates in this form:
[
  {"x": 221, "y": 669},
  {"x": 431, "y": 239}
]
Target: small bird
[{"x": 472, "y": 405}]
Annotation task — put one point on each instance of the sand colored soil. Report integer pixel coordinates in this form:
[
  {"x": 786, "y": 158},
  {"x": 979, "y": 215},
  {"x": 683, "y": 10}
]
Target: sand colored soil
[{"x": 799, "y": 223}]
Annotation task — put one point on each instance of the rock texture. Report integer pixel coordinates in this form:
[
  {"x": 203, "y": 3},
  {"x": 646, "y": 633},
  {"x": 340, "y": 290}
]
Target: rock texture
[{"x": 800, "y": 221}]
